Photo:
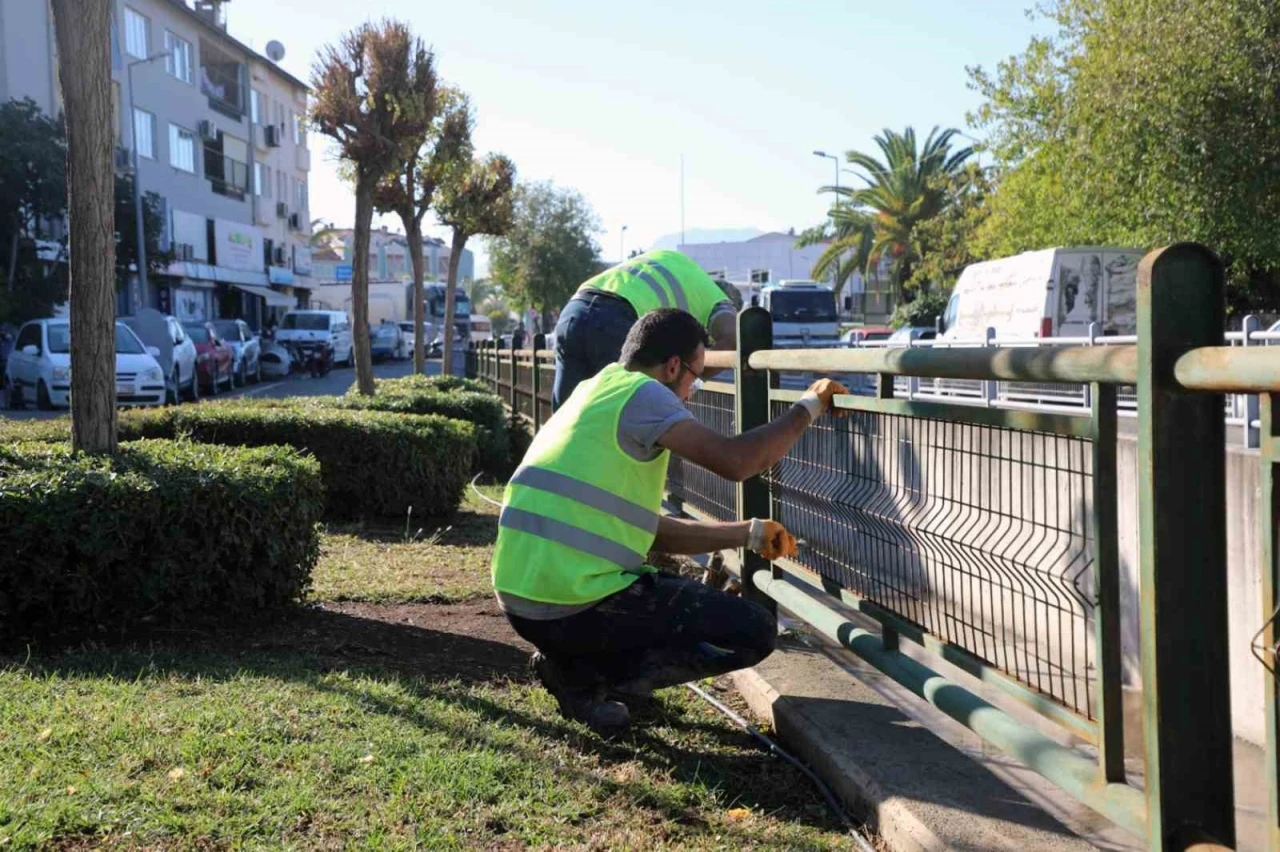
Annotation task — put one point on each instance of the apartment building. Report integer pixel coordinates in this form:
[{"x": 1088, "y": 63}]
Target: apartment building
[
  {"x": 219, "y": 135},
  {"x": 388, "y": 258}
]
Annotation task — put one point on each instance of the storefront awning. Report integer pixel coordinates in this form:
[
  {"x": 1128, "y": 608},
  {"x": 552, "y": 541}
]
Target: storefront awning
[{"x": 275, "y": 299}]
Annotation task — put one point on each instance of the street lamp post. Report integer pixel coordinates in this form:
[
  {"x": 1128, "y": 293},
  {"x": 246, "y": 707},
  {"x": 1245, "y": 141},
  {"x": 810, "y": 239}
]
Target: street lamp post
[
  {"x": 622, "y": 245},
  {"x": 837, "y": 159},
  {"x": 137, "y": 178}
]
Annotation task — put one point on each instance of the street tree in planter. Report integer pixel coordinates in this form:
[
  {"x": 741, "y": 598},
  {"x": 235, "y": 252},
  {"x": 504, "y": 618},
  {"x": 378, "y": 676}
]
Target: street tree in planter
[
  {"x": 374, "y": 93},
  {"x": 83, "y": 31},
  {"x": 33, "y": 159},
  {"x": 409, "y": 190},
  {"x": 474, "y": 201}
]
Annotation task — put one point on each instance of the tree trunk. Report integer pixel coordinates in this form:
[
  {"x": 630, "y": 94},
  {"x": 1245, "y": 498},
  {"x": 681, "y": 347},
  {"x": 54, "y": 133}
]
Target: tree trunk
[
  {"x": 446, "y": 335},
  {"x": 413, "y": 232},
  {"x": 360, "y": 287},
  {"x": 83, "y": 30}
]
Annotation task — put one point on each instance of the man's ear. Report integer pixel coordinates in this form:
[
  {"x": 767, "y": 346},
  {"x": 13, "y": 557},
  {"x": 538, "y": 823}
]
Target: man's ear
[{"x": 671, "y": 369}]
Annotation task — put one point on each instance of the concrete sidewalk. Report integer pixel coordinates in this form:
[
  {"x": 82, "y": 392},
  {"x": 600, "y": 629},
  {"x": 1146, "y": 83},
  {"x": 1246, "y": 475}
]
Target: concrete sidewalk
[{"x": 918, "y": 790}]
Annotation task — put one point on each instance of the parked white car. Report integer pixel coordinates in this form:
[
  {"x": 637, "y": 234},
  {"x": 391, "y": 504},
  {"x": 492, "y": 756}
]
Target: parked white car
[
  {"x": 313, "y": 328},
  {"x": 177, "y": 351},
  {"x": 39, "y": 368}
]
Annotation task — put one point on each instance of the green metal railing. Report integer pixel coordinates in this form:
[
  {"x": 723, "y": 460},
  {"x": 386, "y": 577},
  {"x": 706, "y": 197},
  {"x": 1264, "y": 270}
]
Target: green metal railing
[{"x": 989, "y": 537}]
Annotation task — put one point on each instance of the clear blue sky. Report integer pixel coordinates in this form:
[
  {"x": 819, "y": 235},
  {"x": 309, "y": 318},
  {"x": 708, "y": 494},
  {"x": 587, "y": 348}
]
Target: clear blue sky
[{"x": 607, "y": 101}]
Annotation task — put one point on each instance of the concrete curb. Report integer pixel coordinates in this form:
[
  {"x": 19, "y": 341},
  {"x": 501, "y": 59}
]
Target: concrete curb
[{"x": 892, "y": 819}]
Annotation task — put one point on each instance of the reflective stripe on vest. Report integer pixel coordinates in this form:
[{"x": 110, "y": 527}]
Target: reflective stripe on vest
[
  {"x": 570, "y": 536},
  {"x": 585, "y": 492},
  {"x": 639, "y": 272},
  {"x": 682, "y": 302}
]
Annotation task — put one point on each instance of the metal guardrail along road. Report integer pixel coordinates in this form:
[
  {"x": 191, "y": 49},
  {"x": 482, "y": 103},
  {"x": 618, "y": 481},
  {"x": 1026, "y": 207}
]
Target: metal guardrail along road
[{"x": 987, "y": 533}]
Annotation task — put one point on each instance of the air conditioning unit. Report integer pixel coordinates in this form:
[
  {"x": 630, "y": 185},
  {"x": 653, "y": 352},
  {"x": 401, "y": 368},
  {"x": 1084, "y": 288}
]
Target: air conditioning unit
[
  {"x": 278, "y": 257},
  {"x": 184, "y": 251},
  {"x": 282, "y": 210},
  {"x": 124, "y": 158},
  {"x": 272, "y": 134},
  {"x": 295, "y": 221},
  {"x": 207, "y": 131}
]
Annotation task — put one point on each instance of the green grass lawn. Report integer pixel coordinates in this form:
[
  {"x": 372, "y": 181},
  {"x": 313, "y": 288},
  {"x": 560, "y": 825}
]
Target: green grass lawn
[{"x": 369, "y": 725}]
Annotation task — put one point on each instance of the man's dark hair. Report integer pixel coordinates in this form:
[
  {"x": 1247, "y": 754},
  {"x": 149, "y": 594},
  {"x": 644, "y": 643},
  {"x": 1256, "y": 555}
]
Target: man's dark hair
[{"x": 660, "y": 334}]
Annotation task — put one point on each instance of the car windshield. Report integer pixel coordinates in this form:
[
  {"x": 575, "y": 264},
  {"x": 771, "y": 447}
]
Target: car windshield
[
  {"x": 227, "y": 330},
  {"x": 876, "y": 335},
  {"x": 60, "y": 339},
  {"x": 306, "y": 322},
  {"x": 385, "y": 332},
  {"x": 461, "y": 306},
  {"x": 197, "y": 333},
  {"x": 803, "y": 306}
]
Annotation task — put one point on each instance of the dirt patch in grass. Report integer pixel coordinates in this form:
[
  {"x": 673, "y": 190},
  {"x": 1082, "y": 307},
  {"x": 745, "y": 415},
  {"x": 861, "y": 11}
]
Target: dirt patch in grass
[{"x": 429, "y": 561}]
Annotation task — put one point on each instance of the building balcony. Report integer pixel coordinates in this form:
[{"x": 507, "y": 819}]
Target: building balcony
[
  {"x": 226, "y": 176},
  {"x": 222, "y": 81}
]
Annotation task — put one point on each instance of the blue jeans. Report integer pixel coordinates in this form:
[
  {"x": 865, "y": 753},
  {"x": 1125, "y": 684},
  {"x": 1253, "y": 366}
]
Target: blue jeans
[
  {"x": 589, "y": 337},
  {"x": 660, "y": 631}
]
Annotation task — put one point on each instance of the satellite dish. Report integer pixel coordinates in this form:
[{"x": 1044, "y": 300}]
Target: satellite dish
[{"x": 275, "y": 50}]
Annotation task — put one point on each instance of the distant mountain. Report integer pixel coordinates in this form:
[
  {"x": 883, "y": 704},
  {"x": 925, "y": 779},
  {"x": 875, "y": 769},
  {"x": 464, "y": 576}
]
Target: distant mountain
[{"x": 706, "y": 235}]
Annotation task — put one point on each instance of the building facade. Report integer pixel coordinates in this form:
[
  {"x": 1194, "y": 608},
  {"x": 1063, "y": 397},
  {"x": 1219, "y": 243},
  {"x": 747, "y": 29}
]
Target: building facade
[
  {"x": 389, "y": 258},
  {"x": 217, "y": 132}
]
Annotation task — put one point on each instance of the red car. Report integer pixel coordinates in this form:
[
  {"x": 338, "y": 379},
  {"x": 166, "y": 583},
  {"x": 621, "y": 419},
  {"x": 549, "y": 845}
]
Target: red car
[{"x": 214, "y": 356}]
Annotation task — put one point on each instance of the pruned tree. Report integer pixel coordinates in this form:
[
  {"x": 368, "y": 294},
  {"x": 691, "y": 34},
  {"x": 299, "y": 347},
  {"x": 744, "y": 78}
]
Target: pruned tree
[
  {"x": 83, "y": 32},
  {"x": 473, "y": 201},
  {"x": 33, "y": 157},
  {"x": 374, "y": 94},
  {"x": 410, "y": 190}
]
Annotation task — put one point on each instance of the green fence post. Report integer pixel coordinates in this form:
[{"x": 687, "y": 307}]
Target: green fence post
[
  {"x": 1268, "y": 507},
  {"x": 1182, "y": 534},
  {"x": 515, "y": 385},
  {"x": 751, "y": 409},
  {"x": 539, "y": 343},
  {"x": 1106, "y": 571}
]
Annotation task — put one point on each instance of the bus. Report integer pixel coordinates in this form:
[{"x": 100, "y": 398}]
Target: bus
[
  {"x": 804, "y": 314},
  {"x": 433, "y": 293}
]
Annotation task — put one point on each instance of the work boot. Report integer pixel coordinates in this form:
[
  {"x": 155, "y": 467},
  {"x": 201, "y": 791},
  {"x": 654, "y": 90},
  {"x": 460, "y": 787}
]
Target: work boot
[{"x": 587, "y": 705}]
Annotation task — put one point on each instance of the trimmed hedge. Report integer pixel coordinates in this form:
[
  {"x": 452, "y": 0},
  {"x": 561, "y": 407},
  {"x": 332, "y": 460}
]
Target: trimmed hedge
[
  {"x": 426, "y": 395},
  {"x": 169, "y": 530},
  {"x": 374, "y": 464}
]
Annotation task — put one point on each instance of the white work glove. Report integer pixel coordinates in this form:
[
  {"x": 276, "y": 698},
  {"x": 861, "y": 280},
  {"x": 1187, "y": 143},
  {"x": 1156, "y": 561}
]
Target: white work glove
[
  {"x": 770, "y": 539},
  {"x": 817, "y": 398}
]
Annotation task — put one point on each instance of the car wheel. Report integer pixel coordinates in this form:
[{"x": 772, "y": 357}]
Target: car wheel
[
  {"x": 14, "y": 394},
  {"x": 42, "y": 397}
]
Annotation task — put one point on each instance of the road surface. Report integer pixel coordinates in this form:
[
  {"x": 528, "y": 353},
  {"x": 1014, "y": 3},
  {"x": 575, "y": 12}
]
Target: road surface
[{"x": 297, "y": 384}]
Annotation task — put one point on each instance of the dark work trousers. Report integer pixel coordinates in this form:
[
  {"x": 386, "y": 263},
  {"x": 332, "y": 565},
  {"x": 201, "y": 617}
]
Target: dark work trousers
[
  {"x": 589, "y": 337},
  {"x": 661, "y": 631}
]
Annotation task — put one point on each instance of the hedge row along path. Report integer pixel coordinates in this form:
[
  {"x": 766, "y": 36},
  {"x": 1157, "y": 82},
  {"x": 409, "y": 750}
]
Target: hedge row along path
[{"x": 373, "y": 718}]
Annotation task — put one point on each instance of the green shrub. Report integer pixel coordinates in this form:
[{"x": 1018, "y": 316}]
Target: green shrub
[
  {"x": 375, "y": 464},
  {"x": 168, "y": 530},
  {"x": 422, "y": 395}
]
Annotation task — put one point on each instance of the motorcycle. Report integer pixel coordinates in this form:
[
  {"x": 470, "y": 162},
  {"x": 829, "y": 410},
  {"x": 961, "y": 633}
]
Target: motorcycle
[{"x": 316, "y": 359}]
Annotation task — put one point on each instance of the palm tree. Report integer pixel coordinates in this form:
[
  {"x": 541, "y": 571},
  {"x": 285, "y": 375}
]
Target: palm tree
[{"x": 901, "y": 191}]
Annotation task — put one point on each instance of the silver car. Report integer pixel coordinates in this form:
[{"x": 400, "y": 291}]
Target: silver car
[{"x": 246, "y": 365}]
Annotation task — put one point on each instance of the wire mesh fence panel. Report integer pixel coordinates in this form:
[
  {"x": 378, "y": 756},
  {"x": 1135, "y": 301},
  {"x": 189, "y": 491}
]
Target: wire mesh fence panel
[
  {"x": 980, "y": 535},
  {"x": 696, "y": 486}
]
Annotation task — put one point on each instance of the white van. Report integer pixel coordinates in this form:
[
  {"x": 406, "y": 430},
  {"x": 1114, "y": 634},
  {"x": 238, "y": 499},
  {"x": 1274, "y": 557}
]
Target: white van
[
  {"x": 1050, "y": 293},
  {"x": 481, "y": 328},
  {"x": 313, "y": 327}
]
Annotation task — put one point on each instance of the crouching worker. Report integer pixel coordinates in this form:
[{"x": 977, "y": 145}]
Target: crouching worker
[{"x": 583, "y": 509}]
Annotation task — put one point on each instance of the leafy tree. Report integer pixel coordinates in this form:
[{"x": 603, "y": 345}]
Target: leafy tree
[
  {"x": 33, "y": 158},
  {"x": 550, "y": 249},
  {"x": 851, "y": 235},
  {"x": 83, "y": 32},
  {"x": 473, "y": 201},
  {"x": 944, "y": 244},
  {"x": 900, "y": 192},
  {"x": 127, "y": 229},
  {"x": 375, "y": 95},
  {"x": 1142, "y": 123},
  {"x": 408, "y": 191},
  {"x": 922, "y": 311}
]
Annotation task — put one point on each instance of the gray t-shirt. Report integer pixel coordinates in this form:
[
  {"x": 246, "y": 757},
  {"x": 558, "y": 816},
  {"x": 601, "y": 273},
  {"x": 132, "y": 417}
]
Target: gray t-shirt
[{"x": 651, "y": 411}]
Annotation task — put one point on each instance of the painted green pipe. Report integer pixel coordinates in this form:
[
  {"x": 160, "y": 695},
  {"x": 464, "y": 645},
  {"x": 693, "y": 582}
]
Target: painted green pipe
[
  {"x": 1064, "y": 767},
  {"x": 1230, "y": 369},
  {"x": 1113, "y": 364}
]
